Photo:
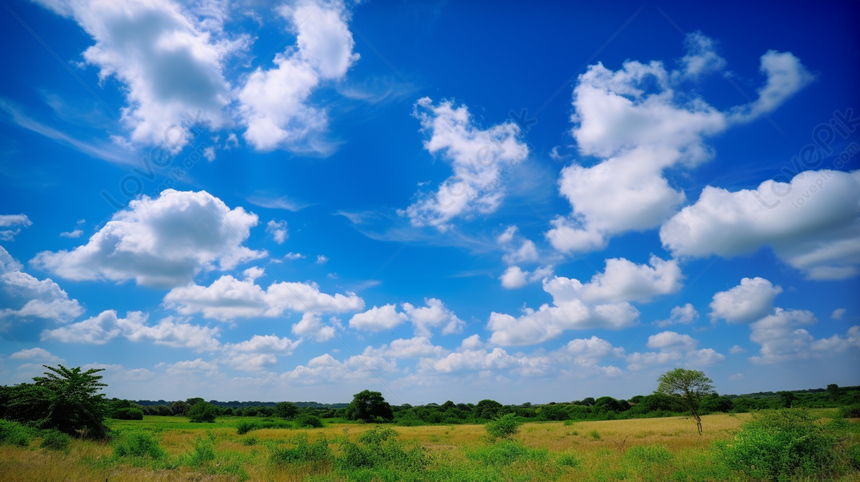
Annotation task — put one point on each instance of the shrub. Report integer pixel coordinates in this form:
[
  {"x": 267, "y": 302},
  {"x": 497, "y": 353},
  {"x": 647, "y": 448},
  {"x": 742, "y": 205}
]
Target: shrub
[
  {"x": 55, "y": 440},
  {"x": 851, "y": 411},
  {"x": 13, "y": 433},
  {"x": 569, "y": 460},
  {"x": 504, "y": 427},
  {"x": 779, "y": 445},
  {"x": 306, "y": 420},
  {"x": 137, "y": 444},
  {"x": 379, "y": 449},
  {"x": 202, "y": 452},
  {"x": 654, "y": 454},
  {"x": 127, "y": 413},
  {"x": 203, "y": 412},
  {"x": 303, "y": 451},
  {"x": 506, "y": 452},
  {"x": 244, "y": 427},
  {"x": 286, "y": 409},
  {"x": 594, "y": 434},
  {"x": 249, "y": 441}
]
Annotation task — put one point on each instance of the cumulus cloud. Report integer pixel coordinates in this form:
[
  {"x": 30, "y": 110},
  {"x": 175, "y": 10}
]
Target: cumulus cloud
[
  {"x": 515, "y": 277},
  {"x": 701, "y": 56},
  {"x": 681, "y": 315},
  {"x": 327, "y": 368},
  {"x": 107, "y": 326},
  {"x": 785, "y": 77},
  {"x": 478, "y": 158},
  {"x": 783, "y": 337},
  {"x": 748, "y": 301},
  {"x": 278, "y": 230},
  {"x": 274, "y": 103},
  {"x": 380, "y": 318},
  {"x": 169, "y": 62},
  {"x": 259, "y": 352},
  {"x": 228, "y": 298},
  {"x": 162, "y": 242},
  {"x": 26, "y": 297},
  {"x": 812, "y": 223},
  {"x": 837, "y": 314},
  {"x": 434, "y": 315},
  {"x": 9, "y": 220},
  {"x": 673, "y": 348},
  {"x": 311, "y": 325},
  {"x": 638, "y": 125},
  {"x": 37, "y": 355},
  {"x": 417, "y": 347}
]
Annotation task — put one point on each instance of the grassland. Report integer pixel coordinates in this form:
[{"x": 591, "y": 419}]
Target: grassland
[{"x": 637, "y": 450}]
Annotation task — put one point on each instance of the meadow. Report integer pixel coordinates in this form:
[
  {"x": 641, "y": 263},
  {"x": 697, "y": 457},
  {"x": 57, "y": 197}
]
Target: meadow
[{"x": 174, "y": 449}]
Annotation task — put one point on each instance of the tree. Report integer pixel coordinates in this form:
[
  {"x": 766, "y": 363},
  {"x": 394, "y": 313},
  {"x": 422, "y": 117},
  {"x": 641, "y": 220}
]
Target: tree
[
  {"x": 286, "y": 409},
  {"x": 179, "y": 407},
  {"x": 689, "y": 387},
  {"x": 786, "y": 398},
  {"x": 369, "y": 407},
  {"x": 203, "y": 412},
  {"x": 834, "y": 391},
  {"x": 66, "y": 399}
]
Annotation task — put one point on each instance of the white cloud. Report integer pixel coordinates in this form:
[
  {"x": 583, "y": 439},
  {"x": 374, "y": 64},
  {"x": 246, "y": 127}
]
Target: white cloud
[
  {"x": 196, "y": 365},
  {"x": 228, "y": 298},
  {"x": 782, "y": 337},
  {"x": 8, "y": 220},
  {"x": 417, "y": 347},
  {"x": 434, "y": 315},
  {"x": 168, "y": 61},
  {"x": 274, "y": 103},
  {"x": 748, "y": 301},
  {"x": 736, "y": 377},
  {"x": 31, "y": 297},
  {"x": 588, "y": 351},
  {"x": 837, "y": 314},
  {"x": 514, "y": 278},
  {"x": 380, "y": 318},
  {"x": 37, "y": 355},
  {"x": 681, "y": 315},
  {"x": 162, "y": 242},
  {"x": 811, "y": 223},
  {"x": 278, "y": 230},
  {"x": 107, "y": 326},
  {"x": 293, "y": 256},
  {"x": 527, "y": 252},
  {"x": 322, "y": 259},
  {"x": 737, "y": 349},
  {"x": 701, "y": 55},
  {"x": 72, "y": 234},
  {"x": 785, "y": 77},
  {"x": 311, "y": 325},
  {"x": 478, "y": 159},
  {"x": 472, "y": 343},
  {"x": 638, "y": 125},
  {"x": 673, "y": 348},
  {"x": 507, "y": 235}
]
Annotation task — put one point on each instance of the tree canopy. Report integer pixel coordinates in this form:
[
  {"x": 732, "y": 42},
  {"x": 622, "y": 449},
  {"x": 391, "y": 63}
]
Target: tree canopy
[
  {"x": 689, "y": 387},
  {"x": 369, "y": 407}
]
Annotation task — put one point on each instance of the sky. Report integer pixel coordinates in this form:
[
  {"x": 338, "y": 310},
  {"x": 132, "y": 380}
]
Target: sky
[{"x": 253, "y": 200}]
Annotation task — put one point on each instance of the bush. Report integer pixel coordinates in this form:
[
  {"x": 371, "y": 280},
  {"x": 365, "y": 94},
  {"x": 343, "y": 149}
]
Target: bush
[
  {"x": 203, "y": 412},
  {"x": 13, "y": 433},
  {"x": 249, "y": 441},
  {"x": 306, "y": 420},
  {"x": 55, "y": 440},
  {"x": 128, "y": 413},
  {"x": 653, "y": 454},
  {"x": 506, "y": 452},
  {"x": 202, "y": 452},
  {"x": 594, "y": 434},
  {"x": 504, "y": 427},
  {"x": 303, "y": 451},
  {"x": 781, "y": 444},
  {"x": 379, "y": 449},
  {"x": 851, "y": 411},
  {"x": 137, "y": 444},
  {"x": 569, "y": 460},
  {"x": 244, "y": 427}
]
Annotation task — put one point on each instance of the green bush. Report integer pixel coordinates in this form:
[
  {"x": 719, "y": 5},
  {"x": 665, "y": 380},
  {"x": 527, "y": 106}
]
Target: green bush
[
  {"x": 506, "y": 452},
  {"x": 379, "y": 449},
  {"x": 202, "y": 412},
  {"x": 202, "y": 452},
  {"x": 303, "y": 451},
  {"x": 249, "y": 441},
  {"x": 127, "y": 413},
  {"x": 851, "y": 411},
  {"x": 594, "y": 434},
  {"x": 13, "y": 433},
  {"x": 244, "y": 427},
  {"x": 306, "y": 420},
  {"x": 55, "y": 440},
  {"x": 569, "y": 460},
  {"x": 504, "y": 427},
  {"x": 782, "y": 444},
  {"x": 137, "y": 444},
  {"x": 653, "y": 454}
]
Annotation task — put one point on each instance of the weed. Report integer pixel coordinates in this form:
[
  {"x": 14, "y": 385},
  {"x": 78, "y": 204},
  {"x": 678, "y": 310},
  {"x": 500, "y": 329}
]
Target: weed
[
  {"x": 137, "y": 445},
  {"x": 55, "y": 440},
  {"x": 13, "y": 433},
  {"x": 504, "y": 427},
  {"x": 594, "y": 434}
]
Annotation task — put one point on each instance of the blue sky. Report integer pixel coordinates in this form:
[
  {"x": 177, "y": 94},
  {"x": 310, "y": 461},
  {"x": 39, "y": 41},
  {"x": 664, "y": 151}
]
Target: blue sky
[{"x": 301, "y": 200}]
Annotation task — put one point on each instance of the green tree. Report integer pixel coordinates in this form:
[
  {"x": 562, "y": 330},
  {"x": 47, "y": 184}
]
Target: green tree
[
  {"x": 286, "y": 409},
  {"x": 66, "y": 399},
  {"x": 786, "y": 398},
  {"x": 179, "y": 407},
  {"x": 203, "y": 412},
  {"x": 689, "y": 387},
  {"x": 370, "y": 407},
  {"x": 834, "y": 391}
]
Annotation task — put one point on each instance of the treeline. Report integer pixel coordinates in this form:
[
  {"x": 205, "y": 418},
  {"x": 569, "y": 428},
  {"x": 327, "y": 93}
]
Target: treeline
[{"x": 603, "y": 408}]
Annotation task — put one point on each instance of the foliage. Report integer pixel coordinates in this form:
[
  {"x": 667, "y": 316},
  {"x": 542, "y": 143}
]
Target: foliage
[
  {"x": 286, "y": 410},
  {"x": 780, "y": 444},
  {"x": 302, "y": 451},
  {"x": 138, "y": 445},
  {"x": 689, "y": 387},
  {"x": 306, "y": 420},
  {"x": 569, "y": 460},
  {"x": 379, "y": 448},
  {"x": 851, "y": 411},
  {"x": 369, "y": 407},
  {"x": 13, "y": 433},
  {"x": 506, "y": 426},
  {"x": 127, "y": 414},
  {"x": 506, "y": 452},
  {"x": 55, "y": 440},
  {"x": 202, "y": 412},
  {"x": 651, "y": 454},
  {"x": 244, "y": 427}
]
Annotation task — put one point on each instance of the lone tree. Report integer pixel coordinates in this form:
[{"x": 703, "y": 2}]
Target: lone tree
[
  {"x": 369, "y": 407},
  {"x": 286, "y": 409},
  {"x": 689, "y": 387}
]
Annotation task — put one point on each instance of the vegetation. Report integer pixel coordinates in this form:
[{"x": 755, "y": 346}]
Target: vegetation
[
  {"x": 689, "y": 387},
  {"x": 369, "y": 407}
]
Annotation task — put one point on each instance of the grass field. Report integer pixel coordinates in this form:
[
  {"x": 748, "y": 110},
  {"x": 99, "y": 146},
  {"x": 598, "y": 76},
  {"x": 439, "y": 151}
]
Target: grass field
[{"x": 641, "y": 450}]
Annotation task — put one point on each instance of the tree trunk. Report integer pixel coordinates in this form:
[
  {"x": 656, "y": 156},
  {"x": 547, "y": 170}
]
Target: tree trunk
[{"x": 699, "y": 423}]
